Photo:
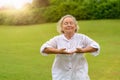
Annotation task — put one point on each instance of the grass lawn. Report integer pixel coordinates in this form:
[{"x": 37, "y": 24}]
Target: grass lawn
[{"x": 20, "y": 58}]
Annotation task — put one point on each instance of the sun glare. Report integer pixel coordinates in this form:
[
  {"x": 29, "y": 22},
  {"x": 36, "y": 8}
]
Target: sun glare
[{"x": 18, "y": 4}]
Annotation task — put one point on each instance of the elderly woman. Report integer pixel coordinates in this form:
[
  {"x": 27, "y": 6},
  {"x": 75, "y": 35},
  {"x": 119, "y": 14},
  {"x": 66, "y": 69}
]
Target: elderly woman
[{"x": 70, "y": 47}]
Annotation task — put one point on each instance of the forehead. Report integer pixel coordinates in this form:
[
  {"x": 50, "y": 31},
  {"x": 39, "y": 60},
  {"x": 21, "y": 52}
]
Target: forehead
[{"x": 67, "y": 19}]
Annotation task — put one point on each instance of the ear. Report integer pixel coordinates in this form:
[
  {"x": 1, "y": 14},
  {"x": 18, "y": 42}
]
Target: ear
[
  {"x": 62, "y": 31},
  {"x": 75, "y": 28}
]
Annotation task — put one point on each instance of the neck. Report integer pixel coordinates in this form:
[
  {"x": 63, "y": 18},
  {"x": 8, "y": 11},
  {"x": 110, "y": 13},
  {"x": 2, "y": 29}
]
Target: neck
[{"x": 69, "y": 35}]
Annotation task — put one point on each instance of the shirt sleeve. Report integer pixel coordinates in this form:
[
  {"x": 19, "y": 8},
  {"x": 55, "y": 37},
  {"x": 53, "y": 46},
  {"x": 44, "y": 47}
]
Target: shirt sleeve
[
  {"x": 90, "y": 42},
  {"x": 51, "y": 43}
]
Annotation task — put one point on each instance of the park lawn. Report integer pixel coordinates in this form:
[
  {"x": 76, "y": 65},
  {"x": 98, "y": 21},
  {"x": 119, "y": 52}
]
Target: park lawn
[{"x": 20, "y": 58}]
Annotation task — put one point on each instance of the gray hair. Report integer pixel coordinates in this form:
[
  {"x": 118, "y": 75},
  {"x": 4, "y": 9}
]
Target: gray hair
[{"x": 59, "y": 24}]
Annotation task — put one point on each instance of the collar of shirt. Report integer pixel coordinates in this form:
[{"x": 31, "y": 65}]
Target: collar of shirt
[{"x": 69, "y": 39}]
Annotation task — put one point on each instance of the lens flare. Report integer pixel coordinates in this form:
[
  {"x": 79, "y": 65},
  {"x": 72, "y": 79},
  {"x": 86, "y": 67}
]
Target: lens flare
[{"x": 18, "y": 4}]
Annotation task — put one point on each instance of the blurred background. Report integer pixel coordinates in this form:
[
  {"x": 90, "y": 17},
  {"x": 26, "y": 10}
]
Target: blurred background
[
  {"x": 22, "y": 12},
  {"x": 26, "y": 24}
]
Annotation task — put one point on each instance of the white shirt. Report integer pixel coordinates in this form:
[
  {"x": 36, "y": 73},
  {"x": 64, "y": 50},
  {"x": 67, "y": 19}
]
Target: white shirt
[{"x": 70, "y": 67}]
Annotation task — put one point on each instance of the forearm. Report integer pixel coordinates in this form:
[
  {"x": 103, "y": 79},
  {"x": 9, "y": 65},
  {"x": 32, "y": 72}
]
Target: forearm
[
  {"x": 89, "y": 49},
  {"x": 86, "y": 49},
  {"x": 56, "y": 51},
  {"x": 49, "y": 50}
]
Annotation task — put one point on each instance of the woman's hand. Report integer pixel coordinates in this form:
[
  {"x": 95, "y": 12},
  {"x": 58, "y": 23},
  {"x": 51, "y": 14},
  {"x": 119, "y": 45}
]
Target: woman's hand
[
  {"x": 79, "y": 50},
  {"x": 64, "y": 51}
]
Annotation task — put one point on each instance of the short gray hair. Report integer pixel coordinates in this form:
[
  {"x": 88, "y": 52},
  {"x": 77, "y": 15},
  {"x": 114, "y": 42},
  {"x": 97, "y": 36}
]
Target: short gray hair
[{"x": 59, "y": 24}]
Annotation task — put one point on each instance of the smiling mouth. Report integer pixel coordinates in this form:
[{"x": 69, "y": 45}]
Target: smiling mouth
[{"x": 69, "y": 28}]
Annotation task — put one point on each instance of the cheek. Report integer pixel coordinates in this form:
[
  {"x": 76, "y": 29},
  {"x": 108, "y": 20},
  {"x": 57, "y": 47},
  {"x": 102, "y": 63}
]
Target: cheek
[
  {"x": 73, "y": 28},
  {"x": 63, "y": 27}
]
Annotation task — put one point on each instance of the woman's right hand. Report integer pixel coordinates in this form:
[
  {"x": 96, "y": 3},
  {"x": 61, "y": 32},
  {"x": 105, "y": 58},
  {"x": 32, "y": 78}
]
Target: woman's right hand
[{"x": 64, "y": 51}]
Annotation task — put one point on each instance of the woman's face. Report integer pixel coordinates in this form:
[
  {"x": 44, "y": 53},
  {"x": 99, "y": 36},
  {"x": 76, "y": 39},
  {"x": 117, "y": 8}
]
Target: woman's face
[{"x": 68, "y": 25}]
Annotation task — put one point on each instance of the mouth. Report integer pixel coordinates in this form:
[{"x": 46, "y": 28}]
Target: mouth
[{"x": 69, "y": 28}]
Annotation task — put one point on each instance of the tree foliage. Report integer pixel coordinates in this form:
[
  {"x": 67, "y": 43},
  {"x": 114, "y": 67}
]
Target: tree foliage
[
  {"x": 52, "y": 10},
  {"x": 84, "y": 9}
]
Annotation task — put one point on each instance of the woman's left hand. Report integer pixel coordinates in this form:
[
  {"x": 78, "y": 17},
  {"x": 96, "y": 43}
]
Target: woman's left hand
[{"x": 79, "y": 50}]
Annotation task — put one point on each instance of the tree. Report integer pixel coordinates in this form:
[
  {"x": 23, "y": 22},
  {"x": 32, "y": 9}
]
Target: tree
[{"x": 40, "y": 3}]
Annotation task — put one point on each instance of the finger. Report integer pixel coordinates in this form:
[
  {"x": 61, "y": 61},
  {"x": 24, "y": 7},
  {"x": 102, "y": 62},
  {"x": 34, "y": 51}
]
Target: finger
[
  {"x": 78, "y": 48},
  {"x": 63, "y": 49}
]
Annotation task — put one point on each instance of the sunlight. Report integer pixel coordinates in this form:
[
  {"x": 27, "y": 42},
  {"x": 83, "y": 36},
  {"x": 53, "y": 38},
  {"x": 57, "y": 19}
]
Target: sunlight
[{"x": 18, "y": 4}]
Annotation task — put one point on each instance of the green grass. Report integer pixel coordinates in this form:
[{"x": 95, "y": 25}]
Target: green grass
[{"x": 20, "y": 58}]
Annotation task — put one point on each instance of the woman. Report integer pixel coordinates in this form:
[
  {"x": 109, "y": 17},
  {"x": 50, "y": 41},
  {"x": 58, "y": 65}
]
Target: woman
[{"x": 70, "y": 47}]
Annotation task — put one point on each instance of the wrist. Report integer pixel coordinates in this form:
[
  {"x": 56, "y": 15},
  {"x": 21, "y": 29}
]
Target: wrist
[
  {"x": 83, "y": 50},
  {"x": 80, "y": 50}
]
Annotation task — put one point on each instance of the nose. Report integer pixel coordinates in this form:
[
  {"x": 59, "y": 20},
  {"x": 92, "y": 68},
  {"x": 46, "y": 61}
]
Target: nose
[{"x": 69, "y": 24}]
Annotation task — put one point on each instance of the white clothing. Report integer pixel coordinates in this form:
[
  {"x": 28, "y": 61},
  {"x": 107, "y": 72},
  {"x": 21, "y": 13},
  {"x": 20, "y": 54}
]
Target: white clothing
[{"x": 70, "y": 67}]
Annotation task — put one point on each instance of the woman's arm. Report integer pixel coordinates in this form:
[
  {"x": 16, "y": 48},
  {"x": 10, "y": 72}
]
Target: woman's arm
[
  {"x": 89, "y": 46},
  {"x": 88, "y": 49},
  {"x": 49, "y": 50}
]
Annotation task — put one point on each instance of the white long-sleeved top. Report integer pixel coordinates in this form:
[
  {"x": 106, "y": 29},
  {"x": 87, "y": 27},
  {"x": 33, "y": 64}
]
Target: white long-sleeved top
[{"x": 70, "y": 67}]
